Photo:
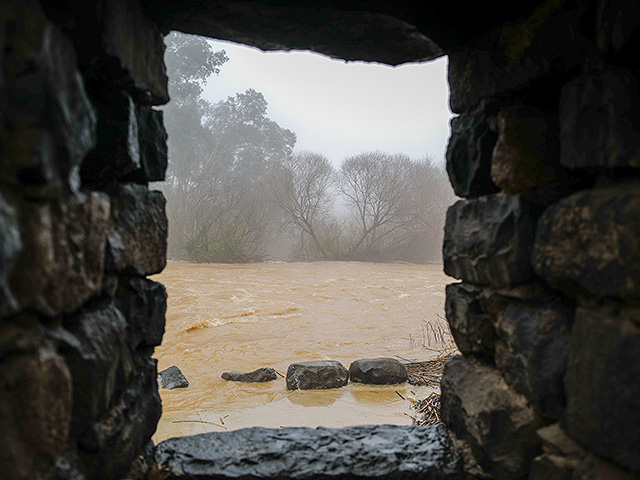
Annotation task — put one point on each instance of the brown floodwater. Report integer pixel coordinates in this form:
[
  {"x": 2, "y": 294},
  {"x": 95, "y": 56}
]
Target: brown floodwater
[{"x": 224, "y": 317}]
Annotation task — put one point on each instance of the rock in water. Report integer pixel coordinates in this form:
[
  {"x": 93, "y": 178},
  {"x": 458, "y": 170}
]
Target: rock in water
[
  {"x": 316, "y": 375},
  {"x": 265, "y": 374},
  {"x": 378, "y": 371},
  {"x": 172, "y": 378}
]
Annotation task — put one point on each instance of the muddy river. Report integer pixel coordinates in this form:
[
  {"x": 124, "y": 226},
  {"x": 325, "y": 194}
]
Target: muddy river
[{"x": 241, "y": 317}]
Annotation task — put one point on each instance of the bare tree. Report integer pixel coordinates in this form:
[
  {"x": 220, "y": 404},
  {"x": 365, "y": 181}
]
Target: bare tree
[{"x": 300, "y": 185}]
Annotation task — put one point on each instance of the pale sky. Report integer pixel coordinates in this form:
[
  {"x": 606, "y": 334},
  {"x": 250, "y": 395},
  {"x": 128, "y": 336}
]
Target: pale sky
[{"x": 341, "y": 109}]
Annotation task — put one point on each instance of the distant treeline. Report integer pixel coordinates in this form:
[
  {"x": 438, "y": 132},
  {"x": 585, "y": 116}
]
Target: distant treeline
[{"x": 238, "y": 192}]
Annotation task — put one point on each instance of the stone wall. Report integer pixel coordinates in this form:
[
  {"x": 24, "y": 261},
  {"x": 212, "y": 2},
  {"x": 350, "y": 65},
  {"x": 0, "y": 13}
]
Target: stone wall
[
  {"x": 79, "y": 233},
  {"x": 544, "y": 152}
]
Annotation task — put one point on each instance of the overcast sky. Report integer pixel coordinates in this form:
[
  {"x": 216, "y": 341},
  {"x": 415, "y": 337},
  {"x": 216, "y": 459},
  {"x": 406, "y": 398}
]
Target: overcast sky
[{"x": 339, "y": 108}]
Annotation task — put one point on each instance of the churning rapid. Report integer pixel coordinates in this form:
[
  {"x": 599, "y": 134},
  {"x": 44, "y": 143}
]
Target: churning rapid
[{"x": 245, "y": 316}]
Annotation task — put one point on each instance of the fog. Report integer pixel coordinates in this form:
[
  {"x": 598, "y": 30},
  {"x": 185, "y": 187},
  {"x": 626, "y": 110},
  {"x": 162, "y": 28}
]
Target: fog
[{"x": 339, "y": 109}]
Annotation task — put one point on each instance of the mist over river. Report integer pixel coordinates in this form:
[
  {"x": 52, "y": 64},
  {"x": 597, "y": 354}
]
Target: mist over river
[{"x": 225, "y": 317}]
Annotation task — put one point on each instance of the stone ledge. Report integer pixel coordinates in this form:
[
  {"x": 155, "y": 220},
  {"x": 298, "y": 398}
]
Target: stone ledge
[{"x": 372, "y": 451}]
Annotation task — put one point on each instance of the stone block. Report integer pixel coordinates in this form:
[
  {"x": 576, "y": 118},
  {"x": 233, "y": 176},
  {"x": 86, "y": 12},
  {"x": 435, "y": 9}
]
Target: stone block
[
  {"x": 143, "y": 304},
  {"x": 35, "y": 412},
  {"x": 111, "y": 444},
  {"x": 496, "y": 422},
  {"x": 10, "y": 246},
  {"x": 469, "y": 155},
  {"x": 153, "y": 145},
  {"x": 603, "y": 392},
  {"x": 135, "y": 46},
  {"x": 378, "y": 371},
  {"x": 469, "y": 320},
  {"x": 532, "y": 356},
  {"x": 488, "y": 240},
  {"x": 361, "y": 452},
  {"x": 172, "y": 378},
  {"x": 316, "y": 375},
  {"x": 550, "y": 41},
  {"x": 53, "y": 123},
  {"x": 590, "y": 242},
  {"x": 62, "y": 260},
  {"x": 137, "y": 238},
  {"x": 600, "y": 119},
  {"x": 117, "y": 153},
  {"x": 264, "y": 374},
  {"x": 98, "y": 360},
  {"x": 526, "y": 154}
]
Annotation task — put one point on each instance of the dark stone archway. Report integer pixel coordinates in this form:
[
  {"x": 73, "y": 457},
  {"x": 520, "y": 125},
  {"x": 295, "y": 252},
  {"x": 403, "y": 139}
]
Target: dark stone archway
[{"x": 544, "y": 153}]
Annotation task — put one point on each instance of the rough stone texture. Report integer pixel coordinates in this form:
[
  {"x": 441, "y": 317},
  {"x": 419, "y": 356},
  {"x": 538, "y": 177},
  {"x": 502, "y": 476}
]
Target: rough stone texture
[
  {"x": 378, "y": 371},
  {"x": 564, "y": 459},
  {"x": 62, "y": 260},
  {"x": 617, "y": 25},
  {"x": 35, "y": 412},
  {"x": 10, "y": 246},
  {"x": 526, "y": 155},
  {"x": 98, "y": 360},
  {"x": 497, "y": 423},
  {"x": 469, "y": 155},
  {"x": 259, "y": 375},
  {"x": 111, "y": 444},
  {"x": 469, "y": 320},
  {"x": 137, "y": 239},
  {"x": 603, "y": 392},
  {"x": 548, "y": 42},
  {"x": 363, "y": 452},
  {"x": 532, "y": 355},
  {"x": 316, "y": 375},
  {"x": 488, "y": 240},
  {"x": 172, "y": 378},
  {"x": 599, "y": 120},
  {"x": 137, "y": 49},
  {"x": 52, "y": 123},
  {"x": 590, "y": 242},
  {"x": 143, "y": 304},
  {"x": 117, "y": 153},
  {"x": 153, "y": 146}
]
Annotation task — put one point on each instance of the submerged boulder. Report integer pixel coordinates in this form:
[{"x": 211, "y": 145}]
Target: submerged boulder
[
  {"x": 172, "y": 378},
  {"x": 378, "y": 371},
  {"x": 265, "y": 374},
  {"x": 316, "y": 375}
]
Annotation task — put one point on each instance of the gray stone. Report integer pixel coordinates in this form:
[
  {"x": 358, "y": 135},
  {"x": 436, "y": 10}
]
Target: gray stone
[
  {"x": 52, "y": 123},
  {"x": 171, "y": 378},
  {"x": 111, "y": 444},
  {"x": 497, "y": 423},
  {"x": 153, "y": 145},
  {"x": 99, "y": 362},
  {"x": 316, "y": 375},
  {"x": 469, "y": 155},
  {"x": 143, "y": 304},
  {"x": 590, "y": 242},
  {"x": 378, "y": 371},
  {"x": 137, "y": 239},
  {"x": 488, "y": 240},
  {"x": 599, "y": 120},
  {"x": 117, "y": 153},
  {"x": 548, "y": 42},
  {"x": 603, "y": 392},
  {"x": 469, "y": 319},
  {"x": 62, "y": 260},
  {"x": 526, "y": 155},
  {"x": 362, "y": 452},
  {"x": 532, "y": 355},
  {"x": 264, "y": 374},
  {"x": 35, "y": 412},
  {"x": 10, "y": 246}
]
